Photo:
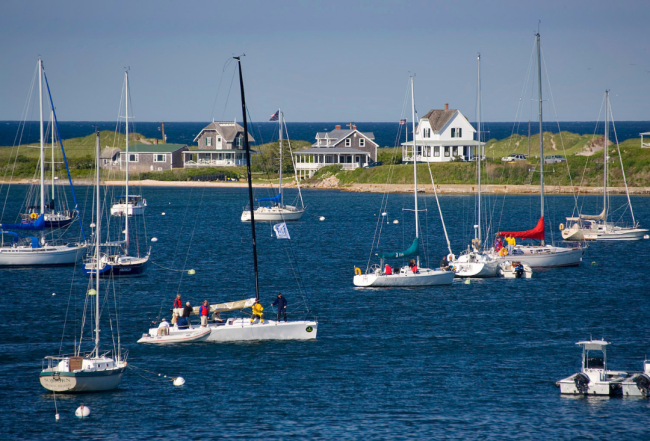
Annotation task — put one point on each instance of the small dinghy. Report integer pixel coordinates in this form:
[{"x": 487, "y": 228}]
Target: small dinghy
[
  {"x": 515, "y": 270},
  {"x": 638, "y": 384},
  {"x": 172, "y": 334},
  {"x": 594, "y": 378}
]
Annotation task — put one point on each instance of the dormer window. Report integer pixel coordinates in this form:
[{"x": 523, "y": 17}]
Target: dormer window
[
  {"x": 427, "y": 133},
  {"x": 348, "y": 142},
  {"x": 208, "y": 141},
  {"x": 362, "y": 142}
]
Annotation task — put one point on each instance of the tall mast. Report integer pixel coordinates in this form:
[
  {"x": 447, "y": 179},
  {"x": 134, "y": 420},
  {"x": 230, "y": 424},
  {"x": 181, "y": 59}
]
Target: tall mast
[
  {"x": 97, "y": 239},
  {"x": 52, "y": 120},
  {"x": 126, "y": 219},
  {"x": 280, "y": 138},
  {"x": 605, "y": 171},
  {"x": 40, "y": 101},
  {"x": 480, "y": 153},
  {"x": 541, "y": 133},
  {"x": 250, "y": 182},
  {"x": 415, "y": 168}
]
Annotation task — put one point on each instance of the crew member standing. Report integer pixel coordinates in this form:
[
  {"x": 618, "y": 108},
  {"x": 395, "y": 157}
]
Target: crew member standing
[
  {"x": 257, "y": 312},
  {"x": 281, "y": 303},
  {"x": 177, "y": 302},
  {"x": 204, "y": 312}
]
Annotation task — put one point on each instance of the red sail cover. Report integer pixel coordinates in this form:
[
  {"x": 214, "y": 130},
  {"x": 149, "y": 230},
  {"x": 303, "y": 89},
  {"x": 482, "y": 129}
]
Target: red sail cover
[{"x": 535, "y": 233}]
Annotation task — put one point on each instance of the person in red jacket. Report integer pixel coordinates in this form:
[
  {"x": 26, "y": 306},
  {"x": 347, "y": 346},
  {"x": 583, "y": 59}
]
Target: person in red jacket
[
  {"x": 177, "y": 302},
  {"x": 204, "y": 311}
]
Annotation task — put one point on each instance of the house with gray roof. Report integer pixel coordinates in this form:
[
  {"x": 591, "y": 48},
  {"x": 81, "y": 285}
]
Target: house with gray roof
[
  {"x": 348, "y": 147},
  {"x": 152, "y": 157},
  {"x": 109, "y": 158},
  {"x": 220, "y": 143},
  {"x": 442, "y": 136}
]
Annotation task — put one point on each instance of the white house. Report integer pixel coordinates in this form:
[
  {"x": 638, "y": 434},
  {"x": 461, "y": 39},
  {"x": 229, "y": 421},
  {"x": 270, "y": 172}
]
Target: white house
[{"x": 442, "y": 136}]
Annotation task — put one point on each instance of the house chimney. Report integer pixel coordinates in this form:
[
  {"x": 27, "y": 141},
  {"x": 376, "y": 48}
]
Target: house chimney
[
  {"x": 337, "y": 127},
  {"x": 446, "y": 106},
  {"x": 354, "y": 127},
  {"x": 155, "y": 141},
  {"x": 163, "y": 133}
]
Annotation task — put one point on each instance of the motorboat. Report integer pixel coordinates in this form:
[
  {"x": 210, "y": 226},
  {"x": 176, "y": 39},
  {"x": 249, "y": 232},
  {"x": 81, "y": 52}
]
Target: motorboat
[
  {"x": 174, "y": 335},
  {"x": 638, "y": 383},
  {"x": 594, "y": 378},
  {"x": 515, "y": 270},
  {"x": 134, "y": 207}
]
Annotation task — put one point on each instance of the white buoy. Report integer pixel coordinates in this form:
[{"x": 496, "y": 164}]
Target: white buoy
[
  {"x": 322, "y": 218},
  {"x": 56, "y": 416},
  {"x": 179, "y": 381},
  {"x": 396, "y": 221},
  {"x": 163, "y": 213},
  {"x": 468, "y": 282},
  {"x": 646, "y": 236},
  {"x": 191, "y": 272},
  {"x": 82, "y": 411},
  {"x": 154, "y": 239},
  {"x": 384, "y": 214},
  {"x": 53, "y": 293}
]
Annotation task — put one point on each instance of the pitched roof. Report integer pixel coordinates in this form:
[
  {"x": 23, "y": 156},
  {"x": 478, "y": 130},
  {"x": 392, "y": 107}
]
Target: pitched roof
[
  {"x": 343, "y": 133},
  {"x": 438, "y": 118},
  {"x": 330, "y": 150},
  {"x": 155, "y": 148},
  {"x": 109, "y": 152},
  {"x": 227, "y": 129}
]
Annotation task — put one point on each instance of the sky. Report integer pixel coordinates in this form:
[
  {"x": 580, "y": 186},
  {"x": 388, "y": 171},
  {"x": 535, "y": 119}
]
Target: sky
[{"x": 325, "y": 61}]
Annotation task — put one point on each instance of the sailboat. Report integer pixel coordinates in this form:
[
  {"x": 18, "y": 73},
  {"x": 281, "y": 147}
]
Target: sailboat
[
  {"x": 278, "y": 211},
  {"x": 98, "y": 370},
  {"x": 542, "y": 255},
  {"x": 27, "y": 249},
  {"x": 596, "y": 227},
  {"x": 120, "y": 263},
  {"x": 475, "y": 262},
  {"x": 237, "y": 329},
  {"x": 407, "y": 276}
]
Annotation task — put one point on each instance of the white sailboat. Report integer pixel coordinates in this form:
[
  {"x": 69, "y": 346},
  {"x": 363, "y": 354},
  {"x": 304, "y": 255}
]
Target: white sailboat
[
  {"x": 542, "y": 255},
  {"x": 98, "y": 370},
  {"x": 119, "y": 262},
  {"x": 474, "y": 262},
  {"x": 29, "y": 250},
  {"x": 597, "y": 227},
  {"x": 377, "y": 276},
  {"x": 237, "y": 329},
  {"x": 278, "y": 211}
]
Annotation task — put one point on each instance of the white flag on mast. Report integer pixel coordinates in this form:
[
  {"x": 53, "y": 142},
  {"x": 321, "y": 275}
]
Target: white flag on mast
[{"x": 281, "y": 231}]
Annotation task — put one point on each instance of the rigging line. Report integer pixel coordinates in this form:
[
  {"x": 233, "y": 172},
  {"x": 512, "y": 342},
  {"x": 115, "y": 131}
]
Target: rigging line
[
  {"x": 196, "y": 218},
  {"x": 629, "y": 202},
  {"x": 228, "y": 96},
  {"x": 214, "y": 104},
  {"x": 444, "y": 228},
  {"x": 589, "y": 157}
]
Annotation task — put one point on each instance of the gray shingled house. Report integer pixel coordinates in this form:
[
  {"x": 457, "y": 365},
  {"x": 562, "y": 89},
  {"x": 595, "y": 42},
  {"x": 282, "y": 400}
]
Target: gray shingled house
[
  {"x": 348, "y": 147},
  {"x": 109, "y": 158},
  {"x": 153, "y": 157},
  {"x": 220, "y": 143}
]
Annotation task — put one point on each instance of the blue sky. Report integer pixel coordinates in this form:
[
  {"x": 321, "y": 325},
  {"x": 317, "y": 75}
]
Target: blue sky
[{"x": 324, "y": 60}]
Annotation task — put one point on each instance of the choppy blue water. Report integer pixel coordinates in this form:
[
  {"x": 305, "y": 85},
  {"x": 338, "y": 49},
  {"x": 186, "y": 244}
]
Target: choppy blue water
[
  {"x": 386, "y": 134},
  {"x": 474, "y": 361}
]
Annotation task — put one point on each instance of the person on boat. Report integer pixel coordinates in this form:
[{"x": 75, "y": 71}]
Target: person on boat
[
  {"x": 388, "y": 270},
  {"x": 281, "y": 303},
  {"x": 413, "y": 266},
  {"x": 177, "y": 302},
  {"x": 174, "y": 319},
  {"x": 204, "y": 312},
  {"x": 187, "y": 311},
  {"x": 444, "y": 263},
  {"x": 257, "y": 312},
  {"x": 511, "y": 244},
  {"x": 216, "y": 317},
  {"x": 163, "y": 328},
  {"x": 498, "y": 245},
  {"x": 182, "y": 323}
]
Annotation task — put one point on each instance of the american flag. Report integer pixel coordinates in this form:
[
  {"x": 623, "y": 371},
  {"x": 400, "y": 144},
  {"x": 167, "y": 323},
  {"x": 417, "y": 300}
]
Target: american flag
[
  {"x": 275, "y": 116},
  {"x": 402, "y": 122}
]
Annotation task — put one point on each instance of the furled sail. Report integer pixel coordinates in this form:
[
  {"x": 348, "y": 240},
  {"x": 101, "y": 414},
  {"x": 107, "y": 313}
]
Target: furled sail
[
  {"x": 35, "y": 243},
  {"x": 535, "y": 233},
  {"x": 222, "y": 307},
  {"x": 36, "y": 224},
  {"x": 275, "y": 199},
  {"x": 410, "y": 251},
  {"x": 601, "y": 216}
]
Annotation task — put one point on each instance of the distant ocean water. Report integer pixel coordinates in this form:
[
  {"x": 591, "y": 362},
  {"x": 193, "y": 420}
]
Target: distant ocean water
[{"x": 385, "y": 133}]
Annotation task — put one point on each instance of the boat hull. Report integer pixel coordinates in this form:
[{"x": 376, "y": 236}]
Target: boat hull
[
  {"x": 79, "y": 382},
  {"x": 425, "y": 277},
  {"x": 133, "y": 210},
  {"x": 623, "y": 234},
  {"x": 193, "y": 335},
  {"x": 47, "y": 255},
  {"x": 273, "y": 214},
  {"x": 244, "y": 330},
  {"x": 127, "y": 268},
  {"x": 476, "y": 269},
  {"x": 545, "y": 257}
]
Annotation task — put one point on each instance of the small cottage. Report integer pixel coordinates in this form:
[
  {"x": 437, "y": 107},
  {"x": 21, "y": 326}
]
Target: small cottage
[
  {"x": 109, "y": 158},
  {"x": 153, "y": 157}
]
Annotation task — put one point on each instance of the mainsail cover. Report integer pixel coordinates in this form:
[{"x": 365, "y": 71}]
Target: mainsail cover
[
  {"x": 601, "y": 216},
  {"x": 410, "y": 251},
  {"x": 36, "y": 224},
  {"x": 221, "y": 307},
  {"x": 535, "y": 233},
  {"x": 276, "y": 199}
]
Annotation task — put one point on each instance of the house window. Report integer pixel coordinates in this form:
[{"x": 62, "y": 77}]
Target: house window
[
  {"x": 133, "y": 158},
  {"x": 446, "y": 152},
  {"x": 453, "y": 132},
  {"x": 454, "y": 151},
  {"x": 208, "y": 141},
  {"x": 218, "y": 140},
  {"x": 427, "y": 133},
  {"x": 105, "y": 161},
  {"x": 362, "y": 142},
  {"x": 436, "y": 151},
  {"x": 159, "y": 158},
  {"x": 348, "y": 142},
  {"x": 459, "y": 133},
  {"x": 239, "y": 141}
]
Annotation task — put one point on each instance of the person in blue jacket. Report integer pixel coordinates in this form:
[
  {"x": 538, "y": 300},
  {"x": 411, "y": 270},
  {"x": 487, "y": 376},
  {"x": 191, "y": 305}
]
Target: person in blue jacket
[{"x": 281, "y": 303}]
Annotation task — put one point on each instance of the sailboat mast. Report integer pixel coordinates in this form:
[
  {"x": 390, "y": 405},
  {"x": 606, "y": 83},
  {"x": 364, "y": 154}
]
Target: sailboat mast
[
  {"x": 97, "y": 240},
  {"x": 415, "y": 168},
  {"x": 541, "y": 133},
  {"x": 280, "y": 138},
  {"x": 480, "y": 155},
  {"x": 126, "y": 219},
  {"x": 52, "y": 119},
  {"x": 250, "y": 182},
  {"x": 605, "y": 164},
  {"x": 40, "y": 100}
]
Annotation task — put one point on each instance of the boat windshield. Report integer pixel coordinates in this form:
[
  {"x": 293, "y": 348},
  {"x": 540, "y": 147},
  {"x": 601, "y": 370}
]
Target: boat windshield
[{"x": 594, "y": 361}]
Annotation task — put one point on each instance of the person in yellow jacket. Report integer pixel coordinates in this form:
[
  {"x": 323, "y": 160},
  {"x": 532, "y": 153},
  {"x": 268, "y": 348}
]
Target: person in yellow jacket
[
  {"x": 511, "y": 244},
  {"x": 257, "y": 312}
]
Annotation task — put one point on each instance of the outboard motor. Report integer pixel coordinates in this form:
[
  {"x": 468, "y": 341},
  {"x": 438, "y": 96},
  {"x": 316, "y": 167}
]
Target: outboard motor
[
  {"x": 643, "y": 383},
  {"x": 519, "y": 271},
  {"x": 582, "y": 382}
]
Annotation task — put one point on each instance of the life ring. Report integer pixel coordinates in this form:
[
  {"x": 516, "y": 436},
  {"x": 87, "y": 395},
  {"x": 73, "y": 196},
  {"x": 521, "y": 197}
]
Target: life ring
[
  {"x": 357, "y": 271},
  {"x": 561, "y": 227},
  {"x": 503, "y": 252},
  {"x": 451, "y": 257},
  {"x": 34, "y": 215}
]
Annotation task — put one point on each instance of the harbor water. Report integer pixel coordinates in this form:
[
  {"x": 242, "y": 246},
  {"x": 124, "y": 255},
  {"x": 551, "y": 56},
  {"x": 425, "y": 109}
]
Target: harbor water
[{"x": 466, "y": 361}]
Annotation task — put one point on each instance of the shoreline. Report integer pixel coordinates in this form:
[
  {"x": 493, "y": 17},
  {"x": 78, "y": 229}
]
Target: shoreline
[{"x": 374, "y": 188}]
